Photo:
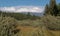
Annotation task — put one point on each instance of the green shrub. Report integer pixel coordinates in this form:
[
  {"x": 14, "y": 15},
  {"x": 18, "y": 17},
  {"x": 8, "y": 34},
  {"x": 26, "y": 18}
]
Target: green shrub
[
  {"x": 51, "y": 22},
  {"x": 7, "y": 25}
]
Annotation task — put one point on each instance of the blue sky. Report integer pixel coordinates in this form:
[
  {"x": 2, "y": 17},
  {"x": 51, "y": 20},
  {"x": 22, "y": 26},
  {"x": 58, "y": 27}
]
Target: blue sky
[{"x": 5, "y": 3}]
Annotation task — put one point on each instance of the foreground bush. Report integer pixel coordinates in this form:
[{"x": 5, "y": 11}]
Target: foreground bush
[
  {"x": 51, "y": 22},
  {"x": 7, "y": 25}
]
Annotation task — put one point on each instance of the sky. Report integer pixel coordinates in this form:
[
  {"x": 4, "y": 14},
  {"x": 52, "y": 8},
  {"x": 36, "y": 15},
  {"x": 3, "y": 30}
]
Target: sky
[
  {"x": 4, "y": 3},
  {"x": 34, "y": 3}
]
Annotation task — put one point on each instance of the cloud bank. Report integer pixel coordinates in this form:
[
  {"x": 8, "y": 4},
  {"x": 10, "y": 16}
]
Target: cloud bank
[{"x": 23, "y": 9}]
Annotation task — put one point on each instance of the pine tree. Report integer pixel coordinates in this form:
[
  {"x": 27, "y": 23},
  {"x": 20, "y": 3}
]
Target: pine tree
[
  {"x": 28, "y": 15},
  {"x": 46, "y": 9},
  {"x": 53, "y": 8},
  {"x": 59, "y": 9}
]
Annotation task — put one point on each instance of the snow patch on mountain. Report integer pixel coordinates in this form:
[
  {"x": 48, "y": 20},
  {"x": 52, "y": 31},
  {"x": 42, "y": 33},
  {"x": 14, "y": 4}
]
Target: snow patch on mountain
[{"x": 23, "y": 9}]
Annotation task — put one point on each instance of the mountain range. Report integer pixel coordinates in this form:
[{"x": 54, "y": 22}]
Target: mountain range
[{"x": 34, "y": 10}]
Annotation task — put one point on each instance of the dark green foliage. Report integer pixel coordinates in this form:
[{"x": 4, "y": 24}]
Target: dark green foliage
[
  {"x": 19, "y": 16},
  {"x": 29, "y": 15},
  {"x": 52, "y": 8},
  {"x": 59, "y": 9},
  {"x": 46, "y": 10}
]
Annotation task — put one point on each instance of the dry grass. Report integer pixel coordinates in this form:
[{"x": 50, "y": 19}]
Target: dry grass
[
  {"x": 56, "y": 33},
  {"x": 35, "y": 27},
  {"x": 36, "y": 31}
]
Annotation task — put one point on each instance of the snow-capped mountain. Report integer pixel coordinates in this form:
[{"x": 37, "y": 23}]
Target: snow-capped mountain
[
  {"x": 23, "y": 9},
  {"x": 34, "y": 10}
]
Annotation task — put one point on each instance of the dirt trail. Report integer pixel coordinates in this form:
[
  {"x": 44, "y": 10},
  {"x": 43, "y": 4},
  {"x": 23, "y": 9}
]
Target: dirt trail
[
  {"x": 26, "y": 28},
  {"x": 56, "y": 33},
  {"x": 36, "y": 31}
]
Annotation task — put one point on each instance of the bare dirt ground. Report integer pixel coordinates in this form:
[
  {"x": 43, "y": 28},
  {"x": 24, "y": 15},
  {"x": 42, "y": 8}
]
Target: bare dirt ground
[{"x": 29, "y": 31}]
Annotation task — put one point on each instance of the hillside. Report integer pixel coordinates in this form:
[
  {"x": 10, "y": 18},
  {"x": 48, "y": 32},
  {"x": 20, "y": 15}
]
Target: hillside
[{"x": 29, "y": 27}]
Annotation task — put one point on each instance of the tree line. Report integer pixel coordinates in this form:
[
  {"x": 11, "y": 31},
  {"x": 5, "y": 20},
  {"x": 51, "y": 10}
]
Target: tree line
[{"x": 19, "y": 16}]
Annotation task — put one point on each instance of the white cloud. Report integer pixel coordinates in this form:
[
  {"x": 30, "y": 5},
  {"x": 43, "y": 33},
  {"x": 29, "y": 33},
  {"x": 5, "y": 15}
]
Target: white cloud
[{"x": 23, "y": 9}]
